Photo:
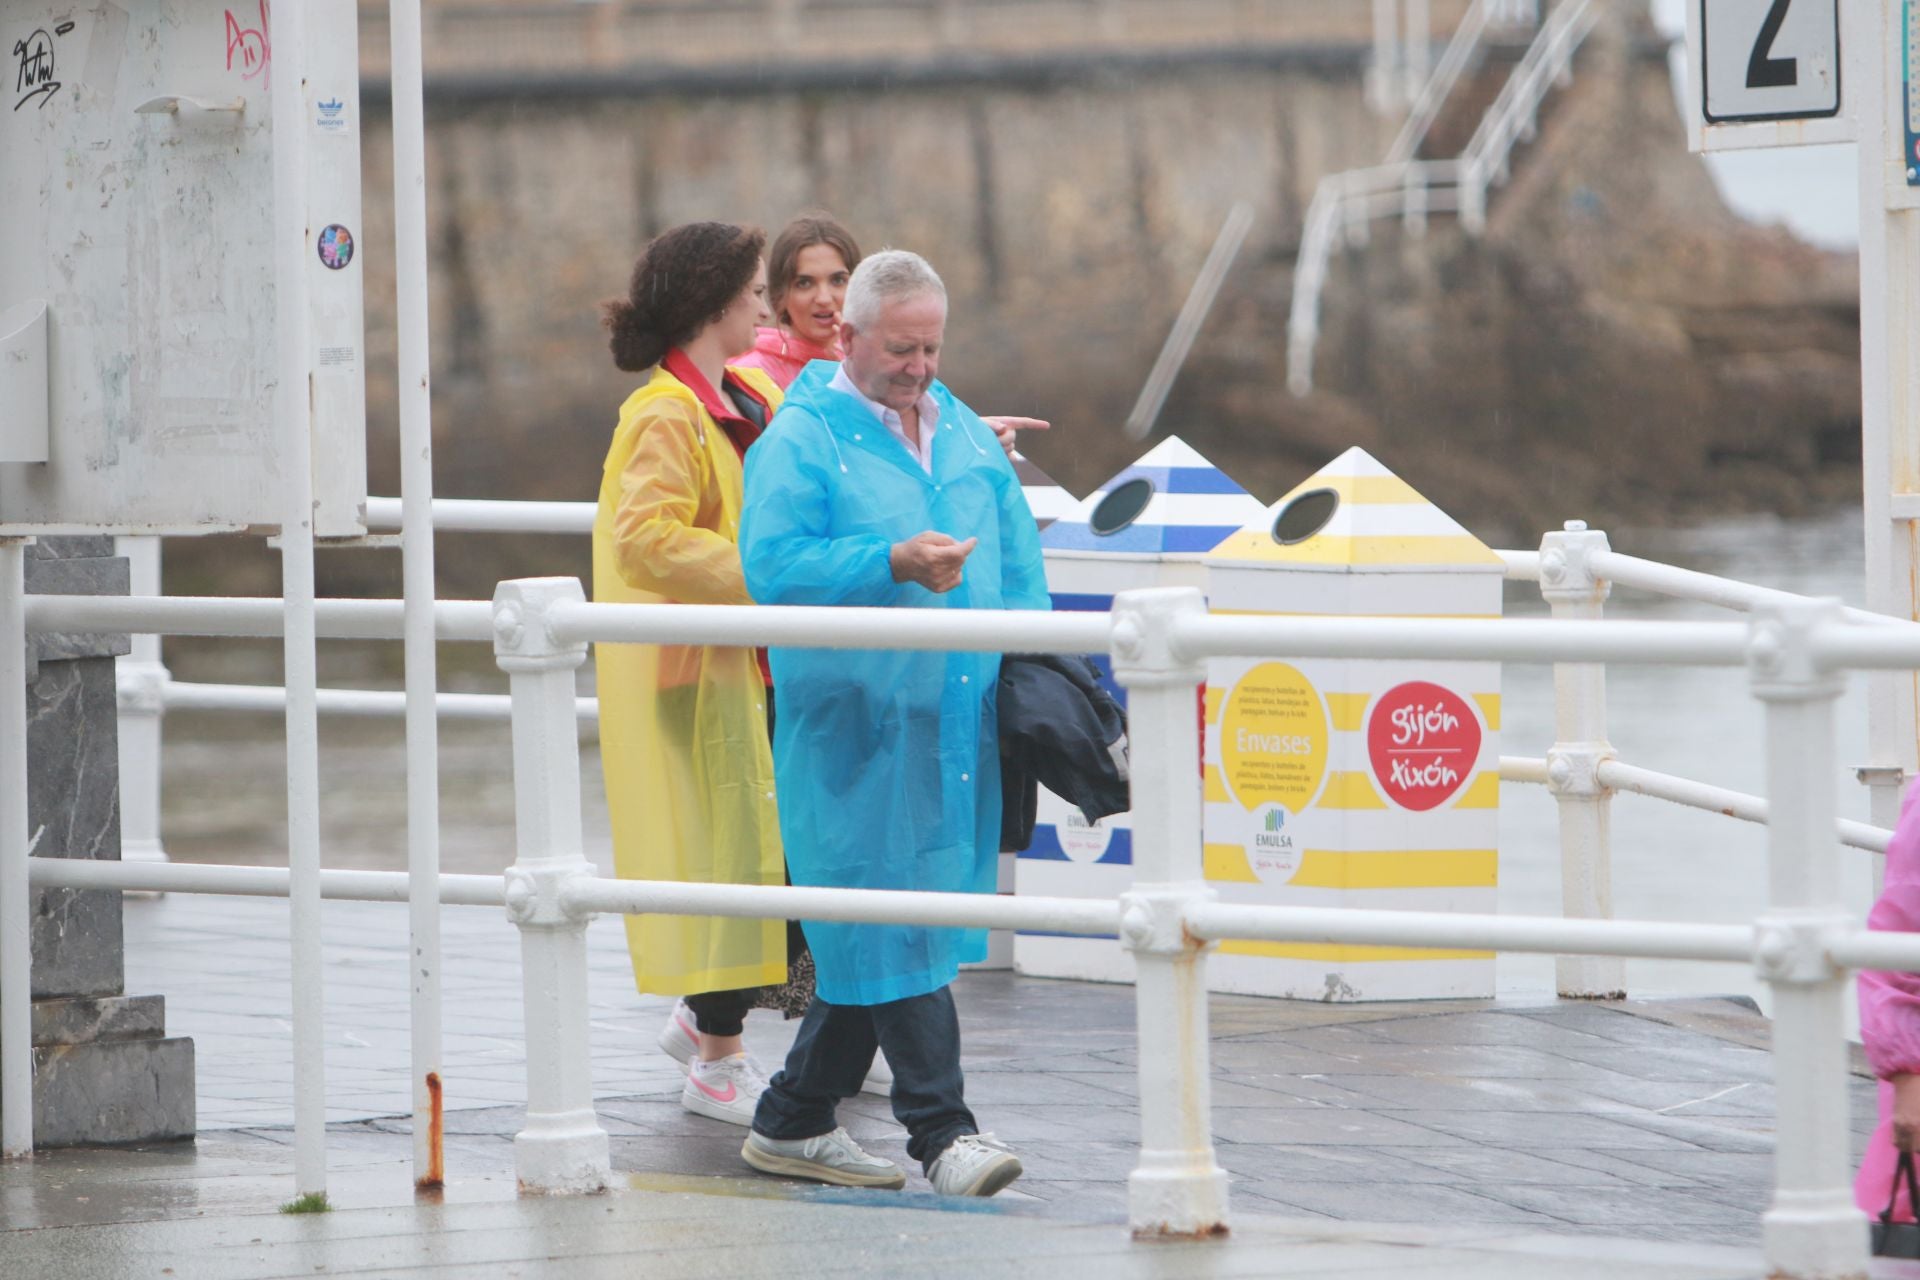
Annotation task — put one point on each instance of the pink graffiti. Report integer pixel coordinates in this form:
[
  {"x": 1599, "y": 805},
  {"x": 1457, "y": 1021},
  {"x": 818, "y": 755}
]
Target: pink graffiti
[{"x": 253, "y": 45}]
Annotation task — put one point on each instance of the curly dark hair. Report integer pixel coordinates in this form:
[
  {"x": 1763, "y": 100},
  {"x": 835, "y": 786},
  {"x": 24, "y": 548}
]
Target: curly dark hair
[
  {"x": 682, "y": 282},
  {"x": 804, "y": 232}
]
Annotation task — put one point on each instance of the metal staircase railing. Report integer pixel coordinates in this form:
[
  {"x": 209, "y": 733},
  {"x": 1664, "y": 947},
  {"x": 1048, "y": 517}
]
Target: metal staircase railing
[{"x": 1344, "y": 204}]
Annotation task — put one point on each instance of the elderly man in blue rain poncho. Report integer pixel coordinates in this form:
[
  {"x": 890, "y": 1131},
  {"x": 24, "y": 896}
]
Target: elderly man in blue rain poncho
[{"x": 875, "y": 486}]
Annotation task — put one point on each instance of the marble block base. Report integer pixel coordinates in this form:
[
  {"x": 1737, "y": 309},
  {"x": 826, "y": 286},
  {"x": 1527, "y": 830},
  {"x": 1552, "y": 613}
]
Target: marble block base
[{"x": 104, "y": 1072}]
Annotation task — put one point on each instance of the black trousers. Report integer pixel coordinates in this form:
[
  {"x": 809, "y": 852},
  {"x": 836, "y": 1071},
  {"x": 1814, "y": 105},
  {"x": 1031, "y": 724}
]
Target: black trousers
[{"x": 834, "y": 1049}]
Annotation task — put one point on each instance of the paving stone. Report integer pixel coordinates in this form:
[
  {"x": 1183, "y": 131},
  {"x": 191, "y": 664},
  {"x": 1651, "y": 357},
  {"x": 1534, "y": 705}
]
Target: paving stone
[
  {"x": 1619, "y": 1207},
  {"x": 1389, "y": 1202},
  {"x": 1537, "y": 1130},
  {"x": 1266, "y": 1166}
]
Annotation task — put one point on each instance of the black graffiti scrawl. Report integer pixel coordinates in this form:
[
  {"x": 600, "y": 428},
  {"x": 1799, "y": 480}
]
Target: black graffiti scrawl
[{"x": 33, "y": 74}]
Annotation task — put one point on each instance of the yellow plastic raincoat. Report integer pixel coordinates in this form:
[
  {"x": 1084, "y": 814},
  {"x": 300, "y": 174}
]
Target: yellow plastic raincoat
[{"x": 683, "y": 731}]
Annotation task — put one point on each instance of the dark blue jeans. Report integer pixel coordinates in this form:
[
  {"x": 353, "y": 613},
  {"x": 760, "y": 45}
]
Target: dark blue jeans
[{"x": 831, "y": 1056}]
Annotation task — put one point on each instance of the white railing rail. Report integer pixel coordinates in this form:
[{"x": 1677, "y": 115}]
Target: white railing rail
[
  {"x": 1515, "y": 113},
  {"x": 1159, "y": 641},
  {"x": 1454, "y": 60},
  {"x": 1345, "y": 203}
]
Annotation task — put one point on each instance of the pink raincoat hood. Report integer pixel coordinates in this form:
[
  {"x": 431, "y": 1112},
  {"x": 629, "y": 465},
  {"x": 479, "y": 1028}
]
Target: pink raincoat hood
[{"x": 782, "y": 355}]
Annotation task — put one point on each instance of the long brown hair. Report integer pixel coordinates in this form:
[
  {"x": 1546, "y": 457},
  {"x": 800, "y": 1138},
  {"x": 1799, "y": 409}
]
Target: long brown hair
[
  {"x": 804, "y": 232},
  {"x": 683, "y": 280}
]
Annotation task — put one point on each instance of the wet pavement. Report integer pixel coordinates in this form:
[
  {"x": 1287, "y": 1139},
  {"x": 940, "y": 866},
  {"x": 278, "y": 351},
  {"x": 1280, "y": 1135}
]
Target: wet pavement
[{"x": 1500, "y": 1138}]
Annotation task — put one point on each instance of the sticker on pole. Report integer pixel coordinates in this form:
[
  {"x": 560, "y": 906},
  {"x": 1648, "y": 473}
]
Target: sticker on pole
[
  {"x": 1769, "y": 60},
  {"x": 1423, "y": 742}
]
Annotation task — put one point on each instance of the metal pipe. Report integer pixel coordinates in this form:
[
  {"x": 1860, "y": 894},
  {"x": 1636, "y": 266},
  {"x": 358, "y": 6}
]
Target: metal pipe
[
  {"x": 1866, "y": 949},
  {"x": 252, "y": 882},
  {"x": 140, "y": 677},
  {"x": 1186, "y": 326},
  {"x": 1722, "y": 644},
  {"x": 184, "y": 695},
  {"x": 293, "y": 408},
  {"x": 984, "y": 630},
  {"x": 1869, "y": 648},
  {"x": 1092, "y": 917},
  {"x": 1734, "y": 804},
  {"x": 1547, "y": 935},
  {"x": 486, "y": 515},
  {"x": 1522, "y": 566},
  {"x": 253, "y": 616},
  {"x": 417, "y": 573},
  {"x": 16, "y": 842},
  {"x": 1854, "y": 948},
  {"x": 562, "y": 1148},
  {"x": 1812, "y": 1227},
  {"x": 1523, "y": 769},
  {"x": 1178, "y": 1188},
  {"x": 1584, "y": 807},
  {"x": 1707, "y": 588}
]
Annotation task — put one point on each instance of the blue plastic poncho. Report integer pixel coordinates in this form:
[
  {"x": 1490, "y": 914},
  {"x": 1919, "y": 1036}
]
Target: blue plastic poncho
[{"x": 887, "y": 764}]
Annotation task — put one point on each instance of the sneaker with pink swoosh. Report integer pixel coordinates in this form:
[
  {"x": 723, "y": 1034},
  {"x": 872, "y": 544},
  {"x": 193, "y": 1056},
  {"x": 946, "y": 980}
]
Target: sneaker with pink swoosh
[{"x": 728, "y": 1089}]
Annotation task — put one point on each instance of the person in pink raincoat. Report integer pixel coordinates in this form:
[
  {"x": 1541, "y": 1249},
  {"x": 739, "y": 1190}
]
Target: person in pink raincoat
[
  {"x": 1890, "y": 1023},
  {"x": 808, "y": 267},
  {"x": 807, "y": 271}
]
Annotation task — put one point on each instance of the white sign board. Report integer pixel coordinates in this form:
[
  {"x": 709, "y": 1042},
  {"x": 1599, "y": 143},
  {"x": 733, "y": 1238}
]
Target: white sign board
[
  {"x": 138, "y": 199},
  {"x": 1765, "y": 73}
]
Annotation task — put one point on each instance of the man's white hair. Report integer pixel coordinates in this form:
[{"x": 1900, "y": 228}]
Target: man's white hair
[{"x": 888, "y": 276}]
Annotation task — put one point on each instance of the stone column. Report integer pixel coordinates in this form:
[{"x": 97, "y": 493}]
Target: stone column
[{"x": 104, "y": 1069}]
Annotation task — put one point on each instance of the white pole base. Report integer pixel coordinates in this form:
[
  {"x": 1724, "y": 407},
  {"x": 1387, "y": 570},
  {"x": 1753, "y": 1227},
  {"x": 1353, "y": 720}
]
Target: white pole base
[
  {"x": 1815, "y": 1235},
  {"x": 1167, "y": 1196},
  {"x": 562, "y": 1154}
]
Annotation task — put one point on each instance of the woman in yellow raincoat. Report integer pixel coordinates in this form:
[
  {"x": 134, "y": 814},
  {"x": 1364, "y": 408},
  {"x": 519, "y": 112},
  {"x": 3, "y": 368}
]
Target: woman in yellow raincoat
[{"x": 684, "y": 728}]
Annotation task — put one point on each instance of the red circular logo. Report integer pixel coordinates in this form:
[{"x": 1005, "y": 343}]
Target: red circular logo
[{"x": 1423, "y": 742}]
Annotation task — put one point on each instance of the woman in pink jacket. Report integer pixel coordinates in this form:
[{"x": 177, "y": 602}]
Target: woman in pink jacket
[
  {"x": 807, "y": 272},
  {"x": 1890, "y": 1023}
]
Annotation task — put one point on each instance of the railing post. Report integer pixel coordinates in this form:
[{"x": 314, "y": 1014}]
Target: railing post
[
  {"x": 1813, "y": 1228},
  {"x": 1573, "y": 590},
  {"x": 140, "y": 679},
  {"x": 1418, "y": 49},
  {"x": 1473, "y": 196},
  {"x": 563, "y": 1149},
  {"x": 16, "y": 923},
  {"x": 1178, "y": 1189}
]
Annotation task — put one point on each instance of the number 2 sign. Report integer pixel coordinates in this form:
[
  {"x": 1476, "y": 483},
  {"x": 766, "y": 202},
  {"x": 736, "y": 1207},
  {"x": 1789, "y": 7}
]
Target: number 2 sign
[{"x": 1767, "y": 60}]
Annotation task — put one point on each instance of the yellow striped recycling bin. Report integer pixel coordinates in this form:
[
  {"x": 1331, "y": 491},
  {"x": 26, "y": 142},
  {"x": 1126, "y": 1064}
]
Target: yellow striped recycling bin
[
  {"x": 1149, "y": 526},
  {"x": 1351, "y": 782}
]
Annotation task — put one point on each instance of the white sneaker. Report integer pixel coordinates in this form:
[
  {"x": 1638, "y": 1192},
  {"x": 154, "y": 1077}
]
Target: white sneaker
[
  {"x": 832, "y": 1157},
  {"x": 728, "y": 1089},
  {"x": 977, "y": 1164},
  {"x": 680, "y": 1039},
  {"x": 879, "y": 1077}
]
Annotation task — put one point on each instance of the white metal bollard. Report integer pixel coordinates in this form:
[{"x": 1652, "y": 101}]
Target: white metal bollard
[
  {"x": 1580, "y": 746},
  {"x": 1813, "y": 1228},
  {"x": 1178, "y": 1189},
  {"x": 563, "y": 1149},
  {"x": 16, "y": 843},
  {"x": 140, "y": 679}
]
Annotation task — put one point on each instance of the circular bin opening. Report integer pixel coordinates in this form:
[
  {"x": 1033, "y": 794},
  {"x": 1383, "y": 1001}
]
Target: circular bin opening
[
  {"x": 1305, "y": 516},
  {"x": 1121, "y": 507}
]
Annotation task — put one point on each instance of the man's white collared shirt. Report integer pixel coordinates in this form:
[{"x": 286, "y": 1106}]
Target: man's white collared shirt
[{"x": 921, "y": 449}]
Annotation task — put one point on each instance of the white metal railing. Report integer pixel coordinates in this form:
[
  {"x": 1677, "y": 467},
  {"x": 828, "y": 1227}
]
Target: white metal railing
[
  {"x": 1436, "y": 89},
  {"x": 1159, "y": 641},
  {"x": 1344, "y": 204}
]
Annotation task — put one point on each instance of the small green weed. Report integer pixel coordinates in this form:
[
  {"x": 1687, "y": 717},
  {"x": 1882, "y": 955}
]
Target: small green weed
[{"x": 312, "y": 1202}]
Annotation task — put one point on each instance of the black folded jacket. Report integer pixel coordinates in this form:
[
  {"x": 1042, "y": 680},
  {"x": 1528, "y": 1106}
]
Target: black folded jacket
[{"x": 1060, "y": 728}]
